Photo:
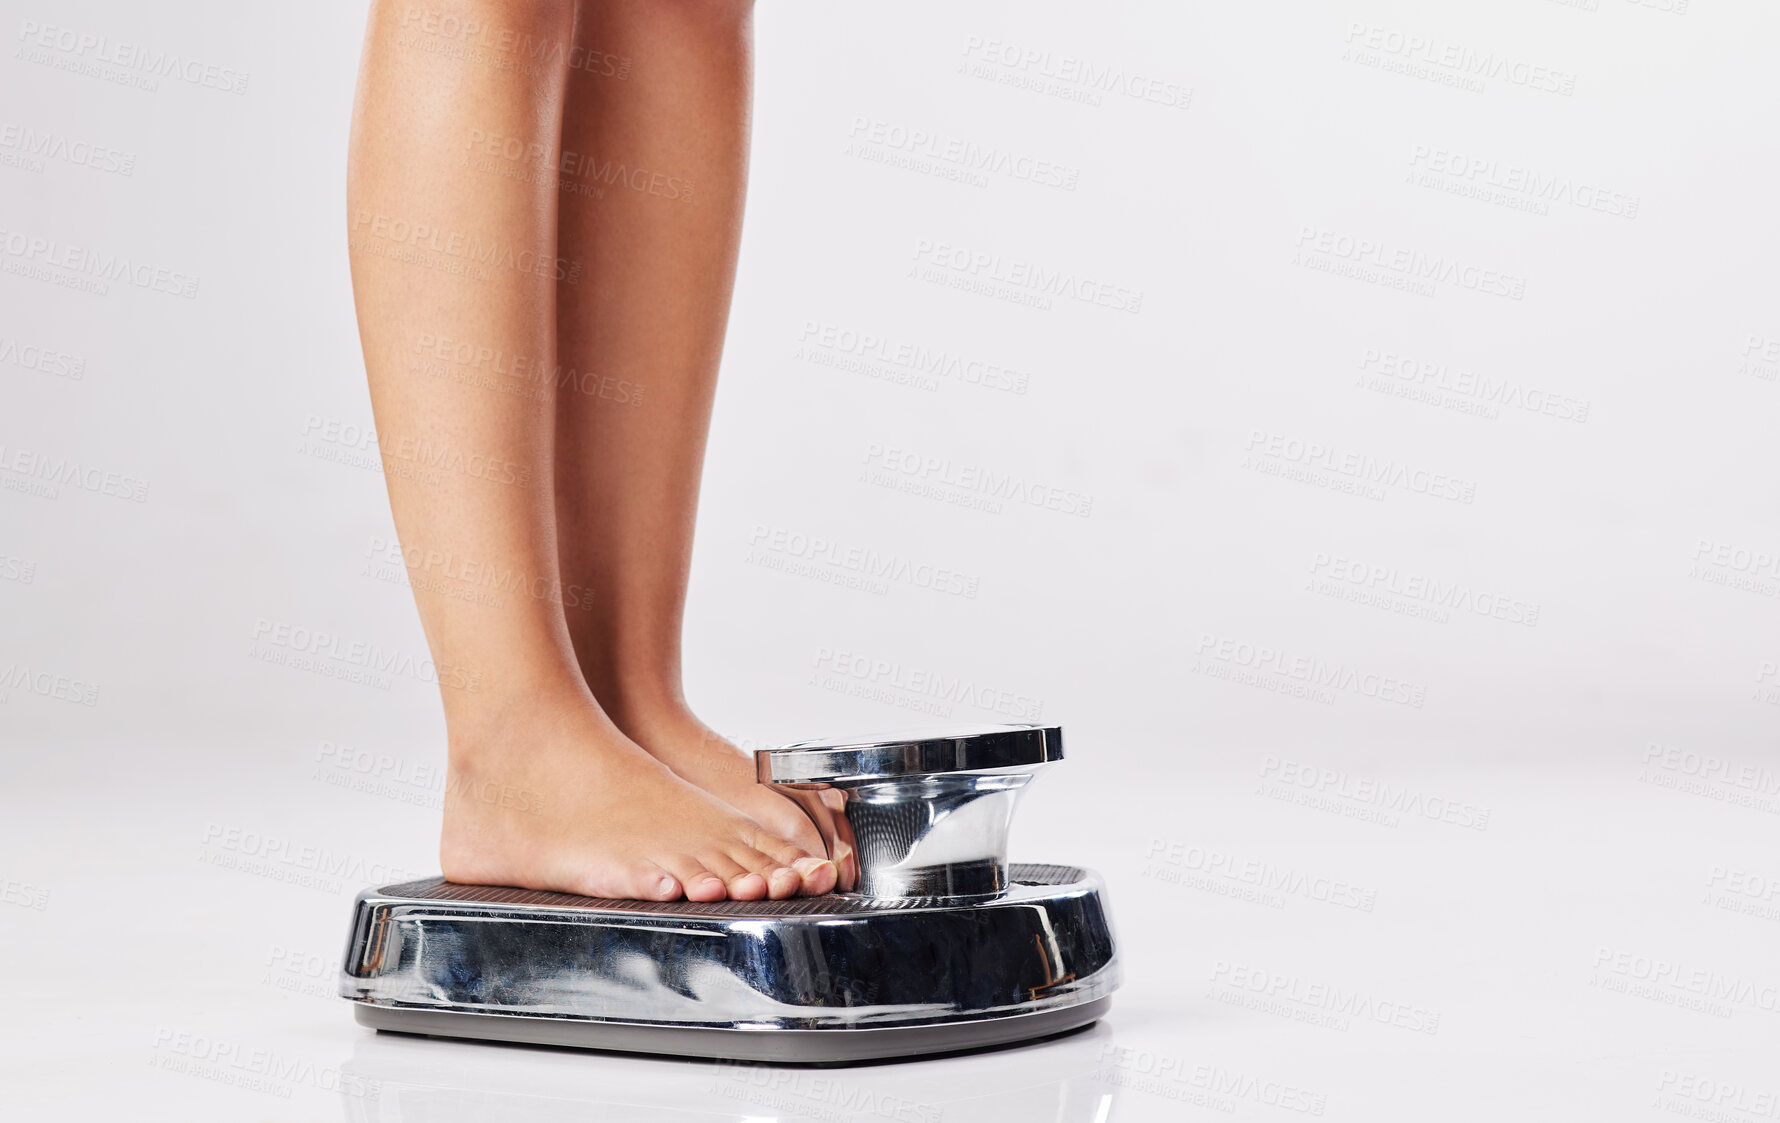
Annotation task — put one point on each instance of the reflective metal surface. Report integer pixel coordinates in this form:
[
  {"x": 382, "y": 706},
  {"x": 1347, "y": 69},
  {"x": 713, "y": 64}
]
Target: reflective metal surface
[
  {"x": 929, "y": 816},
  {"x": 919, "y": 976}
]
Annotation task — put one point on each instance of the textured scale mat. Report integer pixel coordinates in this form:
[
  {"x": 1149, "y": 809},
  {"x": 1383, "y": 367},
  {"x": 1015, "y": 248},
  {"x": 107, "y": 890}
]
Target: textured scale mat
[{"x": 438, "y": 889}]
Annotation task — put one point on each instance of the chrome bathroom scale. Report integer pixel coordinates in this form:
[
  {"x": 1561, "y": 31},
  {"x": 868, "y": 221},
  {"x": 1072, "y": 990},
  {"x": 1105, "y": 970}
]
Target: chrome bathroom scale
[{"x": 944, "y": 946}]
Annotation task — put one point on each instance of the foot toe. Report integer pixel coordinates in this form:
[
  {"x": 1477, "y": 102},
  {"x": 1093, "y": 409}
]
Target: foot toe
[
  {"x": 706, "y": 887},
  {"x": 742, "y": 882},
  {"x": 818, "y": 875},
  {"x": 698, "y": 883},
  {"x": 828, "y": 810},
  {"x": 779, "y": 880},
  {"x": 656, "y": 884},
  {"x": 776, "y": 848},
  {"x": 750, "y": 887},
  {"x": 783, "y": 883},
  {"x": 621, "y": 881}
]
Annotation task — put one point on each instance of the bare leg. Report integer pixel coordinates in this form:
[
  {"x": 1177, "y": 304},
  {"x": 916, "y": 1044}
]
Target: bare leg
[
  {"x": 667, "y": 150},
  {"x": 544, "y": 791}
]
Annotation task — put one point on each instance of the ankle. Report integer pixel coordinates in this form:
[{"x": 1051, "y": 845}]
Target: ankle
[
  {"x": 483, "y": 734},
  {"x": 660, "y": 721},
  {"x": 638, "y": 705}
]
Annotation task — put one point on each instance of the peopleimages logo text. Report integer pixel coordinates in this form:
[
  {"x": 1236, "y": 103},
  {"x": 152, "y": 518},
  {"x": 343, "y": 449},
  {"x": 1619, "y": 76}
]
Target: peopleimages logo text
[
  {"x": 83, "y": 260},
  {"x": 104, "y": 49},
  {"x": 1411, "y": 263},
  {"x": 1028, "y": 275},
  {"x": 975, "y": 478},
  {"x": 1316, "y": 672},
  {"x": 367, "y": 656},
  {"x": 1316, "y": 455},
  {"x": 1458, "y": 58}
]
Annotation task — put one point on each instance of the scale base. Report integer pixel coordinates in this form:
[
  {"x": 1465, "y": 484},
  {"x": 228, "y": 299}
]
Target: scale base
[
  {"x": 778, "y": 1046},
  {"x": 810, "y": 980}
]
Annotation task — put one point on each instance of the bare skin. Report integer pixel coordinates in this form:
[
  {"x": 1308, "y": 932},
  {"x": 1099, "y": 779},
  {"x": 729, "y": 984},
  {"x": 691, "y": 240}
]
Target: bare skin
[
  {"x": 660, "y": 837},
  {"x": 544, "y": 791},
  {"x": 651, "y": 313}
]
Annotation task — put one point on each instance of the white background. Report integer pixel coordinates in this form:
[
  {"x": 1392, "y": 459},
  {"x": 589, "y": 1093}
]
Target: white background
[{"x": 1472, "y": 711}]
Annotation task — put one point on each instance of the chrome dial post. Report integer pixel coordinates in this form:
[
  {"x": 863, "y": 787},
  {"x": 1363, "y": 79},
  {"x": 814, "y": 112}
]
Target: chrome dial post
[{"x": 929, "y": 816}]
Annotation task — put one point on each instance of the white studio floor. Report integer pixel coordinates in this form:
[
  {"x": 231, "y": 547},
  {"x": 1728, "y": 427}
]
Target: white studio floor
[{"x": 1600, "y": 947}]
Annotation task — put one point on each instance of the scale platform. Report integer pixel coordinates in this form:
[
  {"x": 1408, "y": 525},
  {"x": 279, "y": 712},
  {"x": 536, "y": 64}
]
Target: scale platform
[{"x": 944, "y": 947}]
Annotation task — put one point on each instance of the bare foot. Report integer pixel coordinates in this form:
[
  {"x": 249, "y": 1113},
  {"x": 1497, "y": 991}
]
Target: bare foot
[
  {"x": 698, "y": 755},
  {"x": 560, "y": 800}
]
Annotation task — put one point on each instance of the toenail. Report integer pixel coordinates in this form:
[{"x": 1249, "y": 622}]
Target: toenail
[{"x": 807, "y": 866}]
